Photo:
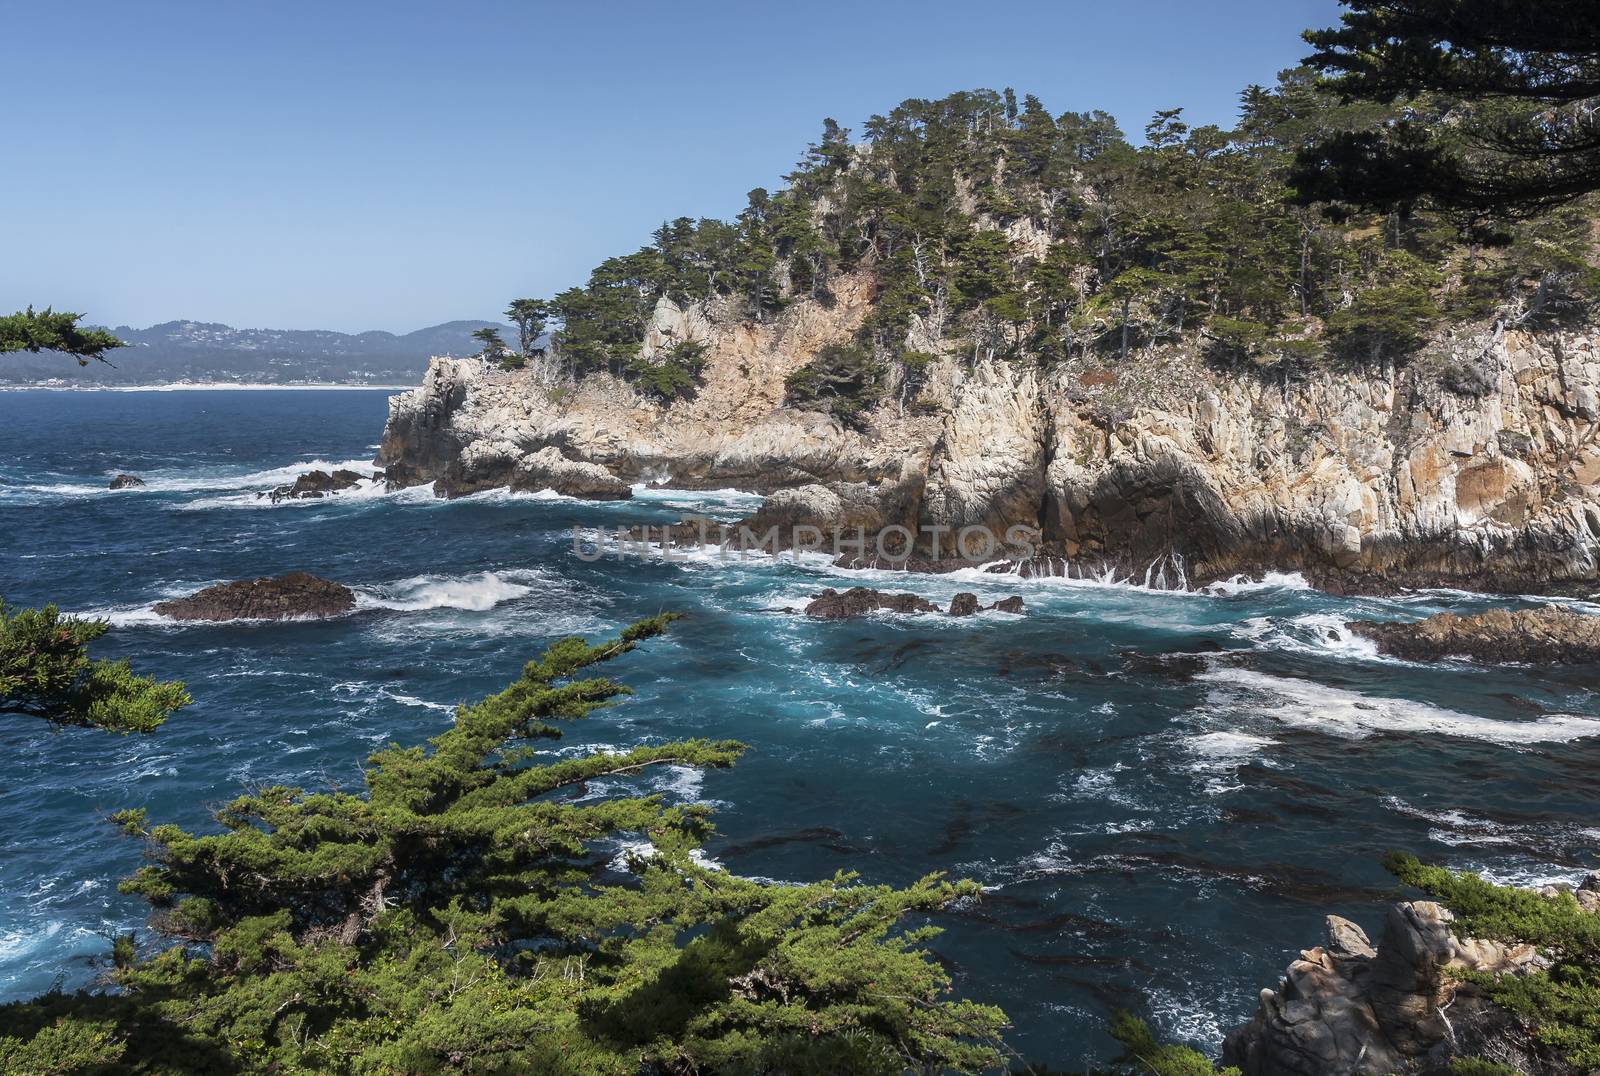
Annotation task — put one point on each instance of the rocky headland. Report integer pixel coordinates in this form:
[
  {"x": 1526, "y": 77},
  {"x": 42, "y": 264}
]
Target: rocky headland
[
  {"x": 1163, "y": 466},
  {"x": 296, "y": 595}
]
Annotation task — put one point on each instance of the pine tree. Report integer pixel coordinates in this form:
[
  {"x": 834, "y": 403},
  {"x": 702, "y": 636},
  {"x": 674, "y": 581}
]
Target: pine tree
[
  {"x": 457, "y": 912},
  {"x": 46, "y": 672},
  {"x": 49, "y": 330}
]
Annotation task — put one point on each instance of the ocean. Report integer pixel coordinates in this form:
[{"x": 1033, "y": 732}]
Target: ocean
[{"x": 1164, "y": 792}]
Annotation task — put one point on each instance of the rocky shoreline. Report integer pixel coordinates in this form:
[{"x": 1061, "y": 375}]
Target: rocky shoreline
[
  {"x": 1366, "y": 482},
  {"x": 1349, "y": 1008}
]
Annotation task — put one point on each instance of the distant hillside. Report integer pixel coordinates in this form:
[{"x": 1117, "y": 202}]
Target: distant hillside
[{"x": 205, "y": 351}]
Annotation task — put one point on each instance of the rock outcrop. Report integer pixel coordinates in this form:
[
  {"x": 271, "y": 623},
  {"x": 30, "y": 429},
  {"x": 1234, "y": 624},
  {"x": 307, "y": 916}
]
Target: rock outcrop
[
  {"x": 292, "y": 596},
  {"x": 966, "y": 603},
  {"x": 1347, "y": 1008},
  {"x": 1549, "y": 635},
  {"x": 126, "y": 481},
  {"x": 316, "y": 484},
  {"x": 548, "y": 469},
  {"x": 1366, "y": 480},
  {"x": 859, "y": 601}
]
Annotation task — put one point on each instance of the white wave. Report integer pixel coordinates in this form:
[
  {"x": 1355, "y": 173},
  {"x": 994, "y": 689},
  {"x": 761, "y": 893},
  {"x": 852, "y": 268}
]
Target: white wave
[
  {"x": 1241, "y": 584},
  {"x": 1227, "y": 746},
  {"x": 472, "y": 593},
  {"x": 1323, "y": 634},
  {"x": 1356, "y": 715},
  {"x": 183, "y": 480}
]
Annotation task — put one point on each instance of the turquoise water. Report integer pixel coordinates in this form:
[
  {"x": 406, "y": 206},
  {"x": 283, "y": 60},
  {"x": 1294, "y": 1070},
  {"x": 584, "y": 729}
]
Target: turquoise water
[{"x": 1165, "y": 792}]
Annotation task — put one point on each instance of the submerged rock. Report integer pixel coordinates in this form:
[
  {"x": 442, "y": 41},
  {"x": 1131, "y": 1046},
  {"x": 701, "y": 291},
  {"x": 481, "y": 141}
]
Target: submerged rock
[
  {"x": 859, "y": 601},
  {"x": 126, "y": 481},
  {"x": 1538, "y": 636},
  {"x": 297, "y": 594},
  {"x": 1348, "y": 1008},
  {"x": 314, "y": 484}
]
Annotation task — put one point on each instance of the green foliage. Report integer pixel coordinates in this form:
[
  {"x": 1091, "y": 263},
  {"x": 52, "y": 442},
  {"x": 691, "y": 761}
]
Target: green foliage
[
  {"x": 840, "y": 379},
  {"x": 49, "y": 330},
  {"x": 1562, "y": 1003},
  {"x": 675, "y": 373},
  {"x": 1141, "y": 1053},
  {"x": 1518, "y": 82},
  {"x": 530, "y": 317},
  {"x": 46, "y": 672},
  {"x": 990, "y": 228},
  {"x": 458, "y": 913},
  {"x": 1472, "y": 1066},
  {"x": 493, "y": 346},
  {"x": 1391, "y": 320}
]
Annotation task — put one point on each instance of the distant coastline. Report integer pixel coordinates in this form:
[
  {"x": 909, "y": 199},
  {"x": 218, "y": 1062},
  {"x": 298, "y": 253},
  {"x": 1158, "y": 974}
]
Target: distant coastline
[{"x": 205, "y": 386}]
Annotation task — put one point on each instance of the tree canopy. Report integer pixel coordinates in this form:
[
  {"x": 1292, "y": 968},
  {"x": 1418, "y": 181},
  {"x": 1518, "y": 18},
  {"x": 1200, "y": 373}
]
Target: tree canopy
[
  {"x": 46, "y": 672},
  {"x": 468, "y": 909},
  {"x": 50, "y": 330},
  {"x": 1502, "y": 98}
]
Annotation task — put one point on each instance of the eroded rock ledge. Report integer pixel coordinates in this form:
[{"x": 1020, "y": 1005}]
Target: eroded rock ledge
[{"x": 1550, "y": 635}]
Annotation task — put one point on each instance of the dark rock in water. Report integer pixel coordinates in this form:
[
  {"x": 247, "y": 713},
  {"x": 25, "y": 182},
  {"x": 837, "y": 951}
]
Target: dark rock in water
[
  {"x": 298, "y": 594},
  {"x": 315, "y": 484},
  {"x": 964, "y": 604},
  {"x": 1012, "y": 604},
  {"x": 126, "y": 481},
  {"x": 1551, "y": 635},
  {"x": 859, "y": 601},
  {"x": 1348, "y": 1008}
]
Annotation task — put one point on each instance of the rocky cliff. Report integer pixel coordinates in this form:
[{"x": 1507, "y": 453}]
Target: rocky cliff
[{"x": 1363, "y": 479}]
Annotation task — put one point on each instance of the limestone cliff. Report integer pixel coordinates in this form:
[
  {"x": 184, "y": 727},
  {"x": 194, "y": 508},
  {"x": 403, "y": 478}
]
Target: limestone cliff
[{"x": 1361, "y": 478}]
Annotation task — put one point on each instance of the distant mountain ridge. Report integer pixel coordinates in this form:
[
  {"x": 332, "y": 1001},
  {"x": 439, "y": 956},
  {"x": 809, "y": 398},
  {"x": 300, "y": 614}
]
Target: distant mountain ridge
[{"x": 199, "y": 351}]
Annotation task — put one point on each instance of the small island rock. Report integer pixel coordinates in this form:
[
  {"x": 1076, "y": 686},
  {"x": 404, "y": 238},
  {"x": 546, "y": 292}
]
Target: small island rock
[
  {"x": 297, "y": 594},
  {"x": 859, "y": 601},
  {"x": 126, "y": 481}
]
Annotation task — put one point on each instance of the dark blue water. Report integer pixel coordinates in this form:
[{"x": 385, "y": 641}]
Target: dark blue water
[{"x": 1162, "y": 827}]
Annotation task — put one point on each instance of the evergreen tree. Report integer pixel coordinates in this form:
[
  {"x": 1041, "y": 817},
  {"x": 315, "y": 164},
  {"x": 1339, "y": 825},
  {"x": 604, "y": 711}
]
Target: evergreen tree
[
  {"x": 46, "y": 672},
  {"x": 49, "y": 330},
  {"x": 1522, "y": 82},
  {"x": 458, "y": 913},
  {"x": 529, "y": 316}
]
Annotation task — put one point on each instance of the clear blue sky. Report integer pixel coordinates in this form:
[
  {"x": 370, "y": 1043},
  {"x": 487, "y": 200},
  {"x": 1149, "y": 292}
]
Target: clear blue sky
[{"x": 390, "y": 165}]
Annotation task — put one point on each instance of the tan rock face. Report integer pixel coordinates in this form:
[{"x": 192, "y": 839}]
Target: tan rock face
[{"x": 1361, "y": 480}]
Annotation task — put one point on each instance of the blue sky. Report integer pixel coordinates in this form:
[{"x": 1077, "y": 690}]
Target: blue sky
[{"x": 387, "y": 166}]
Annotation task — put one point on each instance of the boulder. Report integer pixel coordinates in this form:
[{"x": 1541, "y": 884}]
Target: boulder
[
  {"x": 126, "y": 481},
  {"x": 859, "y": 601},
  {"x": 1012, "y": 605},
  {"x": 295, "y": 595},
  {"x": 1551, "y": 635},
  {"x": 549, "y": 469},
  {"x": 964, "y": 604}
]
